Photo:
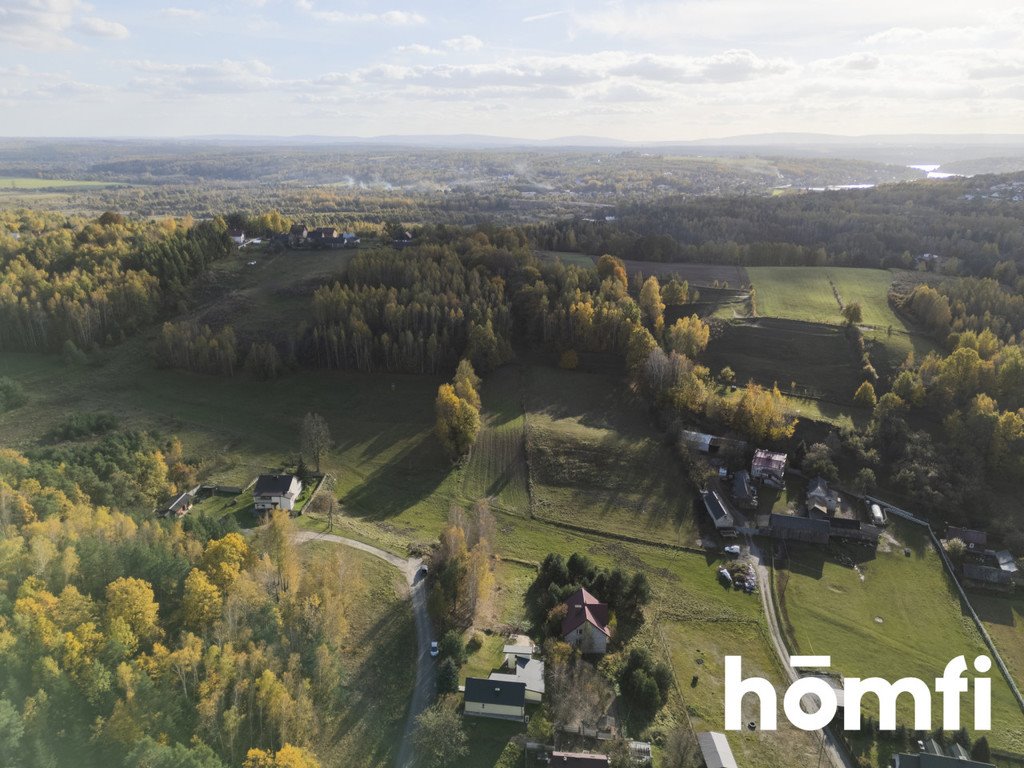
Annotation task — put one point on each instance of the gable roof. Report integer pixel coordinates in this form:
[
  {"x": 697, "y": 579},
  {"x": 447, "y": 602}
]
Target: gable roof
[
  {"x": 714, "y": 747},
  {"x": 793, "y": 528},
  {"x": 178, "y": 502},
  {"x": 502, "y": 692},
  {"x": 819, "y": 487},
  {"x": 273, "y": 485},
  {"x": 584, "y": 608},
  {"x": 721, "y": 516},
  {"x": 986, "y": 574},
  {"x": 768, "y": 461},
  {"x": 578, "y": 759},
  {"x": 741, "y": 487},
  {"x": 1006, "y": 561}
]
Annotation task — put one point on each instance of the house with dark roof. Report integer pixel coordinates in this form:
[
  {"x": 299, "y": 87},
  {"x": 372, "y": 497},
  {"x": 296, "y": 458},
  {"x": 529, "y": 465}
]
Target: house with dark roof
[
  {"x": 500, "y": 699},
  {"x": 744, "y": 494},
  {"x": 803, "y": 529},
  {"x": 526, "y": 670},
  {"x": 769, "y": 467},
  {"x": 276, "y": 492},
  {"x": 720, "y": 515},
  {"x": 579, "y": 760},
  {"x": 178, "y": 506},
  {"x": 297, "y": 234},
  {"x": 844, "y": 529},
  {"x": 585, "y": 625},
  {"x": 715, "y": 749},
  {"x": 973, "y": 539}
]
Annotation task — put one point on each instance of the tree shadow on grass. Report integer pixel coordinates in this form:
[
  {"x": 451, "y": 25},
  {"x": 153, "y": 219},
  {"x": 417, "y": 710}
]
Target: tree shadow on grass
[
  {"x": 368, "y": 699},
  {"x": 407, "y": 479},
  {"x": 995, "y": 609}
]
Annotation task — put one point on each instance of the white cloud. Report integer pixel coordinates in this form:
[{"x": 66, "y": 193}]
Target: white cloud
[
  {"x": 37, "y": 24},
  {"x": 464, "y": 43},
  {"x": 390, "y": 18},
  {"x": 417, "y": 48},
  {"x": 92, "y": 25},
  {"x": 543, "y": 16},
  {"x": 187, "y": 14},
  {"x": 222, "y": 77}
]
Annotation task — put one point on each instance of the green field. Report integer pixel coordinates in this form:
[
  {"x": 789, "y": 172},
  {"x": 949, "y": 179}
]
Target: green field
[
  {"x": 897, "y": 616},
  {"x": 806, "y": 293}
]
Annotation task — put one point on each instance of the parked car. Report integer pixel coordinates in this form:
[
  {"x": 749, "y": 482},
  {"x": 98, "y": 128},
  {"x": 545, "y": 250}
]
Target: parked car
[
  {"x": 732, "y": 549},
  {"x": 433, "y": 648}
]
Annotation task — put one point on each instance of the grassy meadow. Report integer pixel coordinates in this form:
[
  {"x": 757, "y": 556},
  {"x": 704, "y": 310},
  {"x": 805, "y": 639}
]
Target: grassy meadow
[{"x": 895, "y": 616}]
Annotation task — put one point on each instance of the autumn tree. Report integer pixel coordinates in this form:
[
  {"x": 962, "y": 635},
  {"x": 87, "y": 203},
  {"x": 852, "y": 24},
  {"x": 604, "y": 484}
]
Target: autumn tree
[
  {"x": 131, "y": 601},
  {"x": 467, "y": 384},
  {"x": 458, "y": 422},
  {"x": 688, "y": 336},
  {"x": 852, "y": 313},
  {"x": 865, "y": 395},
  {"x": 201, "y": 602},
  {"x": 439, "y": 737},
  {"x": 651, "y": 305},
  {"x": 315, "y": 437}
]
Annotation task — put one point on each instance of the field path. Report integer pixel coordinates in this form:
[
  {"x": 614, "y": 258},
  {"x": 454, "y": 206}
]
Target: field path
[
  {"x": 426, "y": 674},
  {"x": 836, "y": 755}
]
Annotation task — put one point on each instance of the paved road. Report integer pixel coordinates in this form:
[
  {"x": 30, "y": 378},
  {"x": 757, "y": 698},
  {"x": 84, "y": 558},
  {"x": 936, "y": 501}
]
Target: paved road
[{"x": 426, "y": 673}]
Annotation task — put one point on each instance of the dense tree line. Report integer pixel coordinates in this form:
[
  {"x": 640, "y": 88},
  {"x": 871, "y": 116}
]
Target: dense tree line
[
  {"x": 974, "y": 232},
  {"x": 94, "y": 282}
]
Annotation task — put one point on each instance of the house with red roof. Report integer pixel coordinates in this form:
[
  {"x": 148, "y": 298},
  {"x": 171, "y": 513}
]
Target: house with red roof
[{"x": 585, "y": 625}]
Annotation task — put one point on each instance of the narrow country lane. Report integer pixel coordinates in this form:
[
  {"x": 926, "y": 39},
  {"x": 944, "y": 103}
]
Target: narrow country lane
[{"x": 426, "y": 674}]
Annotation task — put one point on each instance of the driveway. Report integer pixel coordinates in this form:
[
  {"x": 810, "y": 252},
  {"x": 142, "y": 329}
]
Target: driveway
[{"x": 426, "y": 672}]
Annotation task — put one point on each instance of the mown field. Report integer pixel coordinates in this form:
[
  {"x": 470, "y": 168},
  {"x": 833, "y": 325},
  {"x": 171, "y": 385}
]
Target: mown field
[
  {"x": 896, "y": 616},
  {"x": 809, "y": 294},
  {"x": 31, "y": 183}
]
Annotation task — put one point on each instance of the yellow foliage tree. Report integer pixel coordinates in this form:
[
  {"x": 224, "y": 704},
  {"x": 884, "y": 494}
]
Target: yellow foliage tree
[{"x": 201, "y": 603}]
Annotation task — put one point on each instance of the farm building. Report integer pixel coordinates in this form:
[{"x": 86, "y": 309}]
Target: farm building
[
  {"x": 709, "y": 444},
  {"x": 237, "y": 236},
  {"x": 585, "y": 625},
  {"x": 715, "y": 750},
  {"x": 987, "y": 577},
  {"x": 178, "y": 506},
  {"x": 579, "y": 760},
  {"x": 793, "y": 528},
  {"x": 276, "y": 492},
  {"x": 298, "y": 234},
  {"x": 719, "y": 514},
  {"x": 744, "y": 494},
  {"x": 499, "y": 699},
  {"x": 769, "y": 467},
  {"x": 820, "y": 498},
  {"x": 973, "y": 539},
  {"x": 845, "y": 529}
]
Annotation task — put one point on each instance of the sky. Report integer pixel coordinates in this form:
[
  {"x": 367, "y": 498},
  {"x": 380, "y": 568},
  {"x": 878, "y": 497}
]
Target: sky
[{"x": 641, "y": 71}]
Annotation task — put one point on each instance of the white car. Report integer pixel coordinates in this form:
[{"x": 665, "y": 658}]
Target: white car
[
  {"x": 732, "y": 549},
  {"x": 433, "y": 648}
]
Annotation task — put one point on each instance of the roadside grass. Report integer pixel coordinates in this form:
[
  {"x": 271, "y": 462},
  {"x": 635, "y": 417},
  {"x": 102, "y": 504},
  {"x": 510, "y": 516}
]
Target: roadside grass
[
  {"x": 898, "y": 616},
  {"x": 697, "y": 648},
  {"x": 1003, "y": 617},
  {"x": 364, "y": 727}
]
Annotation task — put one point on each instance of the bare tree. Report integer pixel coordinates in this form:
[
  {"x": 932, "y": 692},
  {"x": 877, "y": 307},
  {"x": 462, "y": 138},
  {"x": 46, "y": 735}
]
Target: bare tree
[{"x": 315, "y": 438}]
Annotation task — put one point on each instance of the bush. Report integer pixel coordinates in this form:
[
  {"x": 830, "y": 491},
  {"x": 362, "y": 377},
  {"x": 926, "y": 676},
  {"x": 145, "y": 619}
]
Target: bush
[
  {"x": 12, "y": 395},
  {"x": 451, "y": 647},
  {"x": 447, "y": 677}
]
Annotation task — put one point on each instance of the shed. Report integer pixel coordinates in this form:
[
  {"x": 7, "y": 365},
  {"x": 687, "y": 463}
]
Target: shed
[
  {"x": 500, "y": 699},
  {"x": 715, "y": 749},
  {"x": 719, "y": 514}
]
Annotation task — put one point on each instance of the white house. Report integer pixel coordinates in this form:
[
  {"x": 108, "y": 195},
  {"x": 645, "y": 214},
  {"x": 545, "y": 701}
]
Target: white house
[
  {"x": 585, "y": 625},
  {"x": 500, "y": 699},
  {"x": 276, "y": 492}
]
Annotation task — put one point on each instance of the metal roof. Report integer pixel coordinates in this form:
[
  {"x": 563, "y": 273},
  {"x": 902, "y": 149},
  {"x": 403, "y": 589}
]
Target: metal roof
[
  {"x": 501, "y": 692},
  {"x": 716, "y": 751}
]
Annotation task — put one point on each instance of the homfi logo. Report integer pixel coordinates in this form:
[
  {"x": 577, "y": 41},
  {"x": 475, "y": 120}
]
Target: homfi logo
[{"x": 951, "y": 685}]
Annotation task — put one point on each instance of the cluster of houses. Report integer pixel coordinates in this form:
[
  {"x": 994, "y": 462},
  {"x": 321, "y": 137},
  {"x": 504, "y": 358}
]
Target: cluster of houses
[
  {"x": 300, "y": 236},
  {"x": 984, "y": 568},
  {"x": 506, "y": 692}
]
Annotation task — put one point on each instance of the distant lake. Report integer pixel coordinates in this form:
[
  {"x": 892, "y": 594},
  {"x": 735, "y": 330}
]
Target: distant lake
[{"x": 933, "y": 171}]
